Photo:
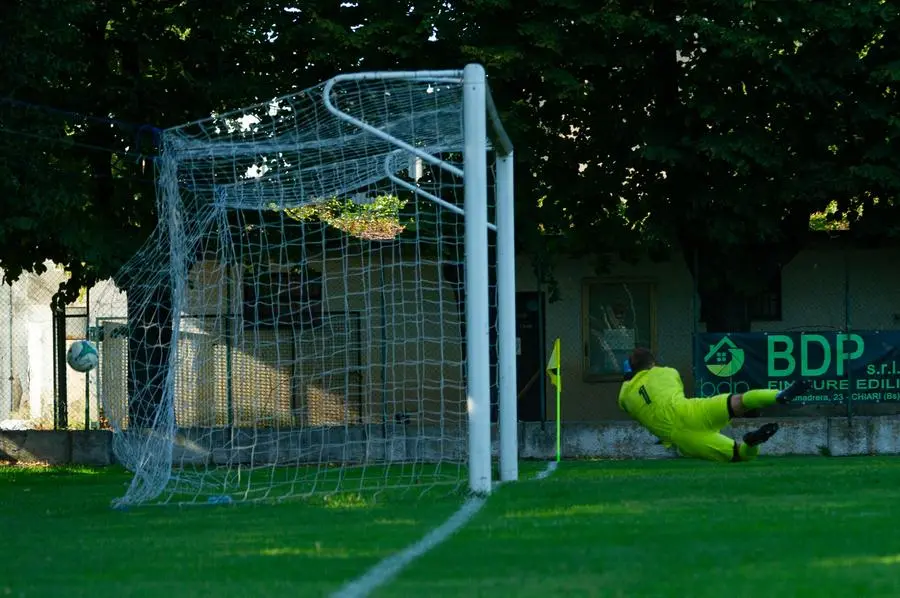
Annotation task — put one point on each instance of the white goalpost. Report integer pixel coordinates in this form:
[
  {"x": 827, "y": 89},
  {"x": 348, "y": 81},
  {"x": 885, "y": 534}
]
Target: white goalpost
[{"x": 328, "y": 302}]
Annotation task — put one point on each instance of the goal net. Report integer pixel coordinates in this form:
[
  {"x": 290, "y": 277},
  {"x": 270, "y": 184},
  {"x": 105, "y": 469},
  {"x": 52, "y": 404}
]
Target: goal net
[{"x": 327, "y": 302}]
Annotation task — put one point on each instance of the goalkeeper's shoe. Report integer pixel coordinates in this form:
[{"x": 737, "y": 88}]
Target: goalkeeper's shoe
[
  {"x": 760, "y": 435},
  {"x": 793, "y": 391}
]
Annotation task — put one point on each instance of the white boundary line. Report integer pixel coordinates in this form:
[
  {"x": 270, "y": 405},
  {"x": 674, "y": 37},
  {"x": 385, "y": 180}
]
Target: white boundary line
[
  {"x": 387, "y": 569},
  {"x": 551, "y": 467}
]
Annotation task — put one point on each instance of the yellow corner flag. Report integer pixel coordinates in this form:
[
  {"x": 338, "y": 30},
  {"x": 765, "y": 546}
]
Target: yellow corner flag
[
  {"x": 553, "y": 367},
  {"x": 554, "y": 371}
]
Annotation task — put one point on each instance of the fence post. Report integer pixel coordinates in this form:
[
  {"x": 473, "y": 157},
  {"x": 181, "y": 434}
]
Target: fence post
[
  {"x": 847, "y": 327},
  {"x": 8, "y": 410},
  {"x": 695, "y": 321},
  {"x": 61, "y": 414},
  {"x": 87, "y": 375}
]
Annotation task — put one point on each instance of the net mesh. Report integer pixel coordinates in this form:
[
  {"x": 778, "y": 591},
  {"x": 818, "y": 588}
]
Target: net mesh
[{"x": 296, "y": 323}]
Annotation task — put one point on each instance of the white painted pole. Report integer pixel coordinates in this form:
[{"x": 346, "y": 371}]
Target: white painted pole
[
  {"x": 506, "y": 316},
  {"x": 476, "y": 273}
]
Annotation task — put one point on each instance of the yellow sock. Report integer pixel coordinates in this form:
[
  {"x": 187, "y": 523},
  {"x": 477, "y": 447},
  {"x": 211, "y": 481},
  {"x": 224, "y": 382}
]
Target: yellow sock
[
  {"x": 747, "y": 452},
  {"x": 758, "y": 398}
]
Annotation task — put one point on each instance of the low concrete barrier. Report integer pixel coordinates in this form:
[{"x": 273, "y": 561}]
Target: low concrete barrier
[
  {"x": 835, "y": 436},
  {"x": 86, "y": 447},
  {"x": 607, "y": 440}
]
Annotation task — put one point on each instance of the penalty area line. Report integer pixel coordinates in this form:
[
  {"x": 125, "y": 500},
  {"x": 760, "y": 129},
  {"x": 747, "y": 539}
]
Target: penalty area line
[{"x": 388, "y": 569}]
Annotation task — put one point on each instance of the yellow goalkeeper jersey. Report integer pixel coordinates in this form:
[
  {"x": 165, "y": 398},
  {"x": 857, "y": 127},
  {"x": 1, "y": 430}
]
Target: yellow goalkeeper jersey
[{"x": 652, "y": 398}]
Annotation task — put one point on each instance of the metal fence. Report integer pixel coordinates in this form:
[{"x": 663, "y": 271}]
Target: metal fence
[
  {"x": 286, "y": 377},
  {"x": 26, "y": 350},
  {"x": 334, "y": 373},
  {"x": 833, "y": 317},
  {"x": 28, "y": 336},
  {"x": 37, "y": 390}
]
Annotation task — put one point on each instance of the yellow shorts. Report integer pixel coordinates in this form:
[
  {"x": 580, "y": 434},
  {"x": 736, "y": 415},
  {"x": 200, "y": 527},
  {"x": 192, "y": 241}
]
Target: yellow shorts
[{"x": 697, "y": 426}]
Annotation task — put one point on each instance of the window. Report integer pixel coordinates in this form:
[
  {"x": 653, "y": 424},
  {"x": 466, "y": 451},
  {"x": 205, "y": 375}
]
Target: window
[
  {"x": 764, "y": 306},
  {"x": 618, "y": 315}
]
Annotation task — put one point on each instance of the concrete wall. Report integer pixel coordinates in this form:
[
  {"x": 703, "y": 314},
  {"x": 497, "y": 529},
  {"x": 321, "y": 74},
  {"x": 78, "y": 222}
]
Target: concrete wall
[
  {"x": 612, "y": 440},
  {"x": 814, "y": 291},
  {"x": 833, "y": 436},
  {"x": 91, "y": 447},
  {"x": 825, "y": 288}
]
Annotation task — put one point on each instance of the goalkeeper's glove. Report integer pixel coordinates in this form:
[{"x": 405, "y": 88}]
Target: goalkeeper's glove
[{"x": 627, "y": 371}]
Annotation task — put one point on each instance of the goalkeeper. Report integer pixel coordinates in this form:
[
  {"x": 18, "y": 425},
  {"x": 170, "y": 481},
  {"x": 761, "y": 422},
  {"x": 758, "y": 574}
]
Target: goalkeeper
[{"x": 654, "y": 396}]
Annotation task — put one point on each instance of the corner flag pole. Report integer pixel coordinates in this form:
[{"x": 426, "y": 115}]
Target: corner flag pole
[{"x": 555, "y": 373}]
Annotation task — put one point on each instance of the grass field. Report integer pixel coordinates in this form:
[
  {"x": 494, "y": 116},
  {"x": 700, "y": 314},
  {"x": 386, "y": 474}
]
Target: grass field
[{"x": 776, "y": 527}]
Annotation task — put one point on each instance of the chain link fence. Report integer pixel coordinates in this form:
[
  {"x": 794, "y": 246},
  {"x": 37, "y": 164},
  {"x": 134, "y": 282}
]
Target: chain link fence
[
  {"x": 316, "y": 376},
  {"x": 37, "y": 390},
  {"x": 27, "y": 393},
  {"x": 832, "y": 317}
]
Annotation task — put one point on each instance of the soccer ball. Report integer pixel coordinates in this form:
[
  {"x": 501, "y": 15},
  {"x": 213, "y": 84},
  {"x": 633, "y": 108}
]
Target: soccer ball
[{"x": 82, "y": 356}]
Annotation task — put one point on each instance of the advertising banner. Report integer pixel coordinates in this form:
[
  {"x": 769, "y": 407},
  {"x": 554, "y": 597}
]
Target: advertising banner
[{"x": 857, "y": 366}]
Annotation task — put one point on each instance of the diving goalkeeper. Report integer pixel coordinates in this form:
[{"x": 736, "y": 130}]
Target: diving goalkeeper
[{"x": 654, "y": 396}]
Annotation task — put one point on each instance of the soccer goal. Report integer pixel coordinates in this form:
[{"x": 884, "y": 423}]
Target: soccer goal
[{"x": 327, "y": 304}]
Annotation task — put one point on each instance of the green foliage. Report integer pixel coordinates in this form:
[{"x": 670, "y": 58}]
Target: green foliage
[
  {"x": 80, "y": 191},
  {"x": 829, "y": 220},
  {"x": 707, "y": 128},
  {"x": 32, "y": 142},
  {"x": 714, "y": 129},
  {"x": 375, "y": 220}
]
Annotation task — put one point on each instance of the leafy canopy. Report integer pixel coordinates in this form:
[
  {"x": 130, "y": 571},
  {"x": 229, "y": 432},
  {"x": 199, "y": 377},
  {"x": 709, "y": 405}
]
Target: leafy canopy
[
  {"x": 712, "y": 129},
  {"x": 375, "y": 219}
]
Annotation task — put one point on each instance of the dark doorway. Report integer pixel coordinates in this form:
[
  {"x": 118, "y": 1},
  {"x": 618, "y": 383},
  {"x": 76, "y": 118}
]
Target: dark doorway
[
  {"x": 529, "y": 340},
  {"x": 530, "y": 376}
]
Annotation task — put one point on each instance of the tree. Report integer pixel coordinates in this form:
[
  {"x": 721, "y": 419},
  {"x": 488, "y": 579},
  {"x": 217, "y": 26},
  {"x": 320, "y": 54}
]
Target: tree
[
  {"x": 42, "y": 181},
  {"x": 80, "y": 190},
  {"x": 557, "y": 68},
  {"x": 714, "y": 129},
  {"x": 778, "y": 112},
  {"x": 640, "y": 126},
  {"x": 138, "y": 67}
]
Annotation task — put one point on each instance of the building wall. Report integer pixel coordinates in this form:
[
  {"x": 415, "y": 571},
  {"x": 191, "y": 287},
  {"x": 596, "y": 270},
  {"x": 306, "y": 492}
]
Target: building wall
[
  {"x": 825, "y": 288},
  {"x": 390, "y": 342},
  {"x": 836, "y": 288},
  {"x": 413, "y": 362}
]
